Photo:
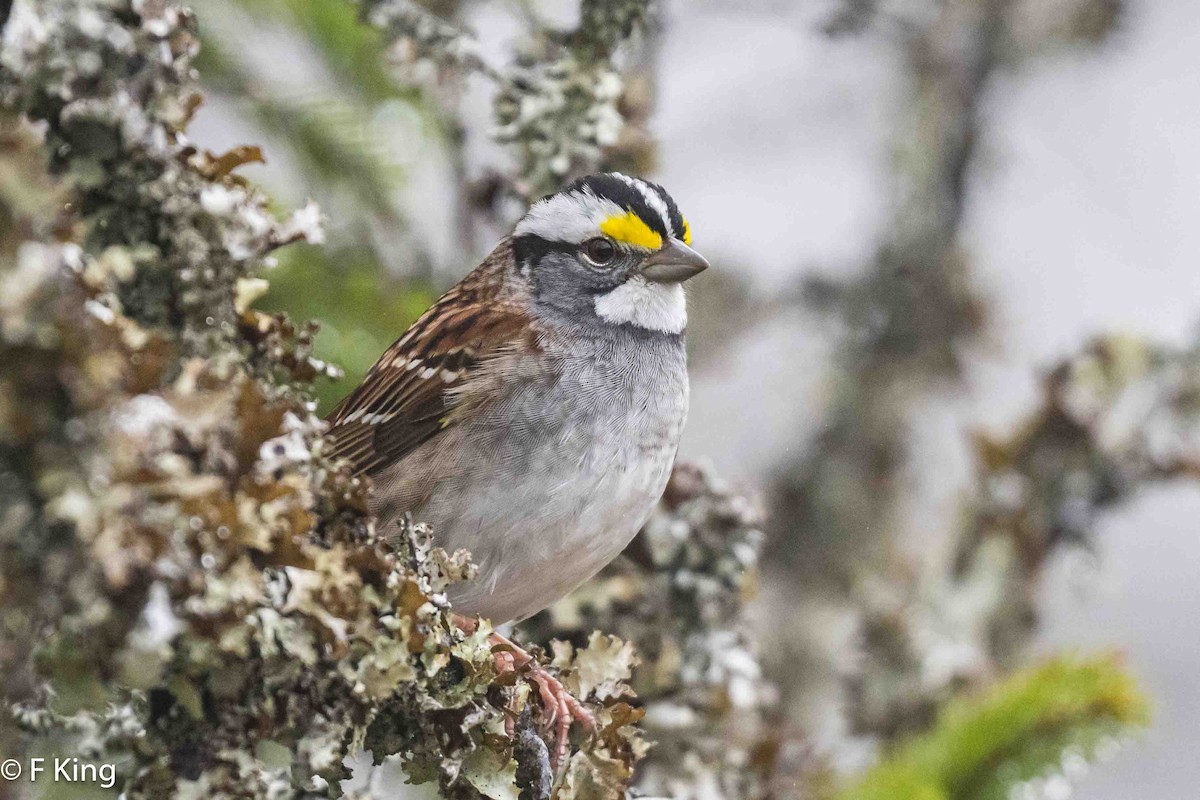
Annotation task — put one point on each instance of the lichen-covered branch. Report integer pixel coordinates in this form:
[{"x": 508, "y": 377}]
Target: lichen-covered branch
[
  {"x": 190, "y": 588},
  {"x": 557, "y": 103},
  {"x": 1120, "y": 415},
  {"x": 558, "y": 107},
  {"x": 420, "y": 36}
]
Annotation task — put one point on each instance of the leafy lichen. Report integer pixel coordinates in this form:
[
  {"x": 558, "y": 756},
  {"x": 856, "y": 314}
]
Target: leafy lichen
[{"x": 190, "y": 587}]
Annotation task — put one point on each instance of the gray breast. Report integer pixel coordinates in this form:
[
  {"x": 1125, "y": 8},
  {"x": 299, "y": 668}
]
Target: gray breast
[{"x": 550, "y": 483}]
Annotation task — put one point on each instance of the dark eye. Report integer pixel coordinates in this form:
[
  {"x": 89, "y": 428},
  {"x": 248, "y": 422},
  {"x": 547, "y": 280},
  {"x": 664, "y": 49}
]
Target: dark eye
[{"x": 599, "y": 251}]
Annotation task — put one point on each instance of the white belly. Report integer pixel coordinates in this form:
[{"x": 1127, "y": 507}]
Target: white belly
[{"x": 537, "y": 537}]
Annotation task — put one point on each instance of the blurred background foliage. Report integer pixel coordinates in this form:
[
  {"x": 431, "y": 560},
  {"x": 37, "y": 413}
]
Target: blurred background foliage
[
  {"x": 339, "y": 134},
  {"x": 360, "y": 304}
]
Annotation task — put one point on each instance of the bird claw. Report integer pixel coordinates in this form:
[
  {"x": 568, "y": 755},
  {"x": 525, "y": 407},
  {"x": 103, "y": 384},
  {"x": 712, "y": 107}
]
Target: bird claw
[
  {"x": 559, "y": 706},
  {"x": 563, "y": 710}
]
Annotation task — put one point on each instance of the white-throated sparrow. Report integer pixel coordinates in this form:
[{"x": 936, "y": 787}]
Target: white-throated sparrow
[{"x": 532, "y": 414}]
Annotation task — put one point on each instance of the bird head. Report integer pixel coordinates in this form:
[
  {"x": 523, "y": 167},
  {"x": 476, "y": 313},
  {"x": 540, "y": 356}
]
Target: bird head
[{"x": 611, "y": 249}]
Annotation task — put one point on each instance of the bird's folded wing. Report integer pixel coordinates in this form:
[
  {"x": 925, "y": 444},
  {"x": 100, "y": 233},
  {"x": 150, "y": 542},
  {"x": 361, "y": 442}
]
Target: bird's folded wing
[{"x": 441, "y": 370}]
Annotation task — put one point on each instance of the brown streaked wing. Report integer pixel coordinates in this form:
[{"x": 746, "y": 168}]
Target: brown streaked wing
[{"x": 407, "y": 397}]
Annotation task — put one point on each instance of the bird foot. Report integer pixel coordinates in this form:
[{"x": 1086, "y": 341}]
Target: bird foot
[
  {"x": 559, "y": 707},
  {"x": 562, "y": 709}
]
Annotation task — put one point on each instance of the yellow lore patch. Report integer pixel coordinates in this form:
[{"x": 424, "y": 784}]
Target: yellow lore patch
[
  {"x": 687, "y": 233},
  {"x": 631, "y": 229}
]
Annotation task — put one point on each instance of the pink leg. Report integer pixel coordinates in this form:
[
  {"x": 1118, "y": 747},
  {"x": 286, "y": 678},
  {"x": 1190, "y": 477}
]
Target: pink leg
[
  {"x": 560, "y": 707},
  {"x": 563, "y": 709}
]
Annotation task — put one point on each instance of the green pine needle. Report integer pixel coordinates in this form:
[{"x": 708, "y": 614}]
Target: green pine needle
[{"x": 1021, "y": 729}]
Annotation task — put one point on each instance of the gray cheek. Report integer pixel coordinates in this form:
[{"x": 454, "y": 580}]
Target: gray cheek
[{"x": 563, "y": 284}]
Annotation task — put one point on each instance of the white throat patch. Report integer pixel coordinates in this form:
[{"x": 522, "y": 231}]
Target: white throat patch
[{"x": 655, "y": 306}]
